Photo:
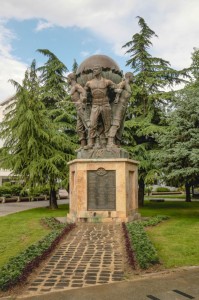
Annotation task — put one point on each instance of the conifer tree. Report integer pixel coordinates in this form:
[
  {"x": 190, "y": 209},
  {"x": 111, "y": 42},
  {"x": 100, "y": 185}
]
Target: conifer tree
[
  {"x": 179, "y": 156},
  {"x": 54, "y": 94},
  {"x": 53, "y": 80},
  {"x": 145, "y": 116},
  {"x": 33, "y": 147}
]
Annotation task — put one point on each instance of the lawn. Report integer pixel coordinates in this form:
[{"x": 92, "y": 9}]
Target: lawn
[
  {"x": 20, "y": 230},
  {"x": 176, "y": 240},
  {"x": 174, "y": 196}
]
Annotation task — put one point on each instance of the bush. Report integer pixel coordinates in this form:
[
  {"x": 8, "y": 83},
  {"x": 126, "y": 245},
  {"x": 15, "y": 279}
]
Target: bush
[
  {"x": 154, "y": 221},
  {"x": 162, "y": 189},
  {"x": 5, "y": 191},
  {"x": 8, "y": 190},
  {"x": 16, "y": 190},
  {"x": 145, "y": 252},
  {"x": 19, "y": 267}
]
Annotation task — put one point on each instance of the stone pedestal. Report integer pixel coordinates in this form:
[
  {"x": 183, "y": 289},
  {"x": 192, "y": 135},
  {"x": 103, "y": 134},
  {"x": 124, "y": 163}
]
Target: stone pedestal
[{"x": 103, "y": 190}]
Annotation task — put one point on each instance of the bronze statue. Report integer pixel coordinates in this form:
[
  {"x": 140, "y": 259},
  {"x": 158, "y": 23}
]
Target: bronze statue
[
  {"x": 101, "y": 109},
  {"x": 101, "y": 106},
  {"x": 78, "y": 96},
  {"x": 119, "y": 110}
]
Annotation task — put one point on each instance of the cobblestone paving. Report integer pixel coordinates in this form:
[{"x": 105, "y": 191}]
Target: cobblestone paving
[{"x": 91, "y": 254}]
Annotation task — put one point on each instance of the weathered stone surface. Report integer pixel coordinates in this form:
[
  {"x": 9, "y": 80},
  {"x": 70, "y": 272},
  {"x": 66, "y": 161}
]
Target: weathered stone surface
[
  {"x": 102, "y": 153},
  {"x": 125, "y": 193}
]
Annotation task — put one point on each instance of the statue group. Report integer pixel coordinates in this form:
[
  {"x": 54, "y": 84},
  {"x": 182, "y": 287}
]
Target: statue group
[{"x": 101, "y": 106}]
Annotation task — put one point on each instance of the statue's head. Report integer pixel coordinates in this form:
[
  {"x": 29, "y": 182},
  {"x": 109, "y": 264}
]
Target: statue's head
[
  {"x": 129, "y": 76},
  {"x": 97, "y": 69},
  {"x": 71, "y": 77}
]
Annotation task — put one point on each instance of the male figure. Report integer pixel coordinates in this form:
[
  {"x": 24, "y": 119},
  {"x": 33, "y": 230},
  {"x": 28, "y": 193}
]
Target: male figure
[
  {"x": 78, "y": 96},
  {"x": 98, "y": 88},
  {"x": 119, "y": 110}
]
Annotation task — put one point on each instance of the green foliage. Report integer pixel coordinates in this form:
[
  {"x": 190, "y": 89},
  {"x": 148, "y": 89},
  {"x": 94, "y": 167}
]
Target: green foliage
[
  {"x": 162, "y": 189},
  {"x": 146, "y": 111},
  {"x": 179, "y": 157},
  {"x": 12, "y": 190},
  {"x": 53, "y": 88},
  {"x": 154, "y": 220},
  {"x": 22, "y": 229},
  {"x": 146, "y": 254},
  {"x": 38, "y": 133},
  {"x": 177, "y": 240},
  {"x": 11, "y": 272},
  {"x": 52, "y": 223},
  {"x": 75, "y": 66}
]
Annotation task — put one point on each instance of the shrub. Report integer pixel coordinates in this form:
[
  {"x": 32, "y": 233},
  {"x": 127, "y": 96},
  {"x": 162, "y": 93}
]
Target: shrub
[
  {"x": 16, "y": 190},
  {"x": 145, "y": 252},
  {"x": 19, "y": 267},
  {"x": 154, "y": 220},
  {"x": 5, "y": 191},
  {"x": 162, "y": 189}
]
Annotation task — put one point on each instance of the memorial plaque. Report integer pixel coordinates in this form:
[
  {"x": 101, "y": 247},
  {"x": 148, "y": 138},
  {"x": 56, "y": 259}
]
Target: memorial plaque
[{"x": 101, "y": 185}]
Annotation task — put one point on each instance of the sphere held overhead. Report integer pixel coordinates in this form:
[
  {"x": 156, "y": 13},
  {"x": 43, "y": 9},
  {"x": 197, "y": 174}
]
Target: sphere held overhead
[{"x": 103, "y": 60}]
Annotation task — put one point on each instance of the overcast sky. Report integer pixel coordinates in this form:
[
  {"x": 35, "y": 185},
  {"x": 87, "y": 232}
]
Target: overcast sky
[{"x": 80, "y": 28}]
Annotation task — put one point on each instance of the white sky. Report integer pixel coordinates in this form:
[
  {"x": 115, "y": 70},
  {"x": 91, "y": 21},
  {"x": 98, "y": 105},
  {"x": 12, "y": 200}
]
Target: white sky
[{"x": 113, "y": 22}]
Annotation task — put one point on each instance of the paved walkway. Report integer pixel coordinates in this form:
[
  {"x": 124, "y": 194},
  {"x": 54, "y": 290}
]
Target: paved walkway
[
  {"x": 91, "y": 254},
  {"x": 178, "y": 285},
  {"x": 10, "y": 208}
]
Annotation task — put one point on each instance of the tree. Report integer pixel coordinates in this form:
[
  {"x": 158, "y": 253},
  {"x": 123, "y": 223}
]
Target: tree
[
  {"x": 54, "y": 94},
  {"x": 179, "y": 156},
  {"x": 145, "y": 115},
  {"x": 75, "y": 66},
  {"x": 33, "y": 147},
  {"x": 53, "y": 80}
]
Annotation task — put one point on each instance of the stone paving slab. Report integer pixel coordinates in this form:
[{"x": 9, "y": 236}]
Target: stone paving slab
[{"x": 91, "y": 254}]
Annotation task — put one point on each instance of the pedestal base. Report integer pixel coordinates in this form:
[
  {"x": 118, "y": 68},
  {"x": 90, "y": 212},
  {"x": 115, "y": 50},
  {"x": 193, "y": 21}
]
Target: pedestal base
[
  {"x": 103, "y": 190},
  {"x": 103, "y": 153}
]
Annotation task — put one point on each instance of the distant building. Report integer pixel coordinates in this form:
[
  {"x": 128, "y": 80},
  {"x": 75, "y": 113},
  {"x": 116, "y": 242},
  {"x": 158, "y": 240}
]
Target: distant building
[{"x": 4, "y": 174}]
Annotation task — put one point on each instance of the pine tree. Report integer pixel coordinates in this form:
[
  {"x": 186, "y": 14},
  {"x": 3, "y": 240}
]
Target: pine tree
[
  {"x": 145, "y": 116},
  {"x": 75, "y": 66},
  {"x": 179, "y": 157},
  {"x": 33, "y": 149},
  {"x": 53, "y": 79},
  {"x": 54, "y": 94}
]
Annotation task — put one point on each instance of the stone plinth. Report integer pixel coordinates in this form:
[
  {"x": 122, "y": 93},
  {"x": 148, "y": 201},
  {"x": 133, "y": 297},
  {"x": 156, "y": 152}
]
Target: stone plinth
[
  {"x": 103, "y": 190},
  {"x": 102, "y": 153}
]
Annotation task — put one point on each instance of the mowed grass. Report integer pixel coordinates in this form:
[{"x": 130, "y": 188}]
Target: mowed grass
[
  {"x": 20, "y": 230},
  {"x": 176, "y": 240}
]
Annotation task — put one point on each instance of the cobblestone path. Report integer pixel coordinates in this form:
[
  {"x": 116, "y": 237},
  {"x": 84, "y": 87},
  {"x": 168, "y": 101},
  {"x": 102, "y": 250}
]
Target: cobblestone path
[{"x": 90, "y": 254}]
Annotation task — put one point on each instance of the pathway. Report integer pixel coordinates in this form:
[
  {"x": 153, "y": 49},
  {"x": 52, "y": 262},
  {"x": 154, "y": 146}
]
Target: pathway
[
  {"x": 91, "y": 254},
  {"x": 11, "y": 208}
]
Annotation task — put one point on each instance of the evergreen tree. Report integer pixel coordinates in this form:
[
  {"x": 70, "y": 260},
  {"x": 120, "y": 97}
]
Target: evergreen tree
[
  {"x": 145, "y": 116},
  {"x": 179, "y": 156},
  {"x": 53, "y": 80},
  {"x": 33, "y": 147},
  {"x": 54, "y": 94},
  {"x": 75, "y": 66}
]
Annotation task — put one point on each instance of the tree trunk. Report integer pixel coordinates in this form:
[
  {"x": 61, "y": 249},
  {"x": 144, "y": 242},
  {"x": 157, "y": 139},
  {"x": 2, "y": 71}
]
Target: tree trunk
[
  {"x": 141, "y": 192},
  {"x": 53, "y": 199},
  {"x": 188, "y": 192}
]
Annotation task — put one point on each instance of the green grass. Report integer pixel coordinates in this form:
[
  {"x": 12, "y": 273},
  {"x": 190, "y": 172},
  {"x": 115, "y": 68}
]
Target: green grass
[
  {"x": 165, "y": 196},
  {"x": 20, "y": 230},
  {"x": 176, "y": 240}
]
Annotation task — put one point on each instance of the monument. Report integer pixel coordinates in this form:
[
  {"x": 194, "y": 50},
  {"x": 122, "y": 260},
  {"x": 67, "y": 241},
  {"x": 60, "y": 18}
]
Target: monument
[{"x": 103, "y": 180}]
